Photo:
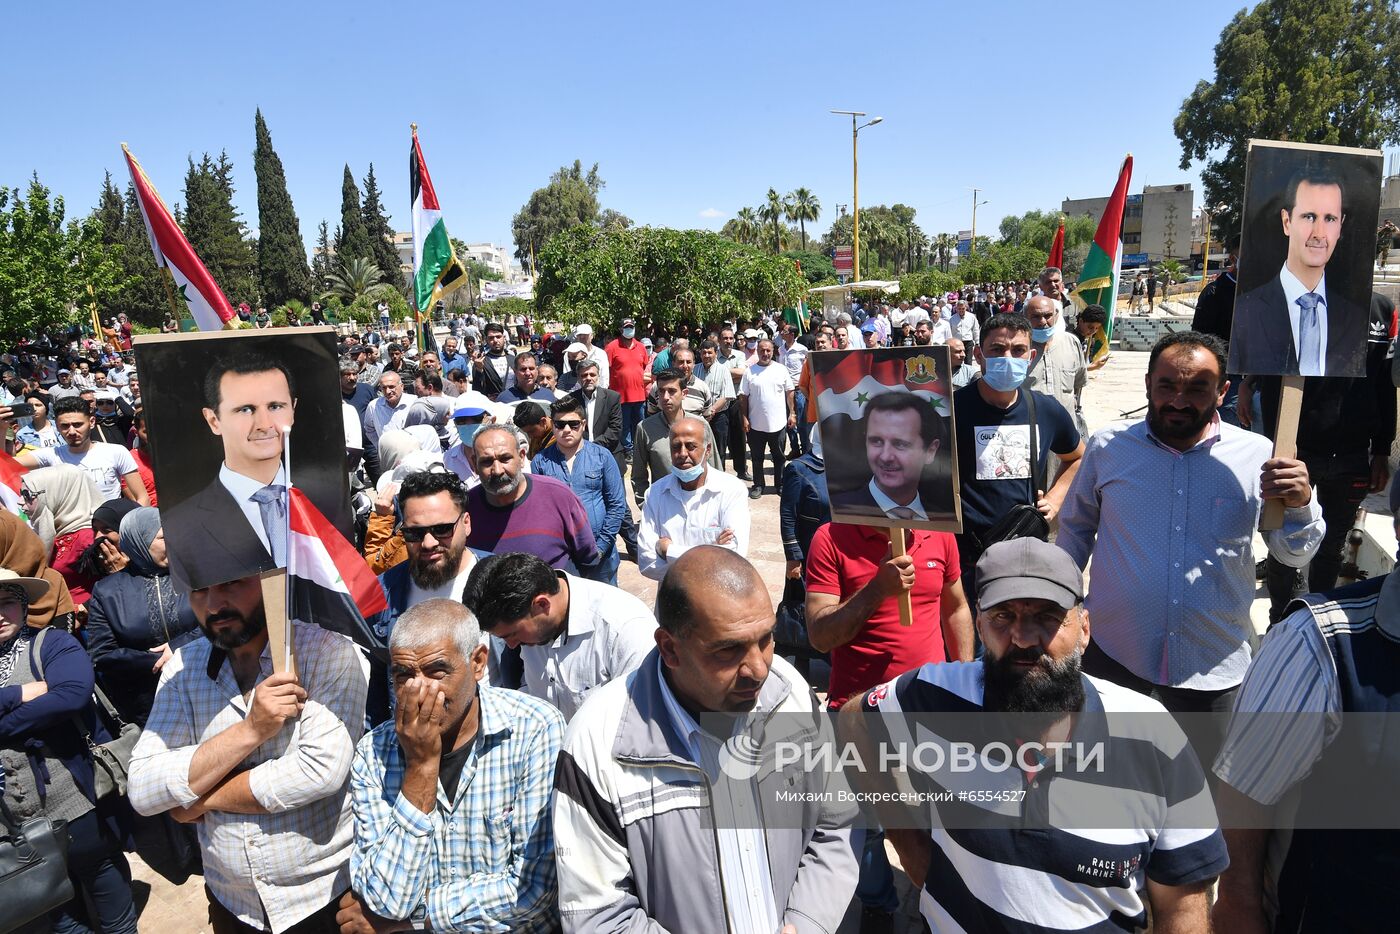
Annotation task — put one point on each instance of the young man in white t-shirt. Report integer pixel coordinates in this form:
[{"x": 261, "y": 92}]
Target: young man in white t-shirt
[
  {"x": 766, "y": 399},
  {"x": 111, "y": 466}
]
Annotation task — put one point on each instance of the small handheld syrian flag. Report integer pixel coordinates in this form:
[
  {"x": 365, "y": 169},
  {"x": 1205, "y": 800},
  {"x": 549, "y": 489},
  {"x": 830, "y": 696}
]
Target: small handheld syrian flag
[{"x": 330, "y": 583}]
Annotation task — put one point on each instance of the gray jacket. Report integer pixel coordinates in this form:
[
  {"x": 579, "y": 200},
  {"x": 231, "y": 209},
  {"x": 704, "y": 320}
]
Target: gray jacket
[{"x": 634, "y": 827}]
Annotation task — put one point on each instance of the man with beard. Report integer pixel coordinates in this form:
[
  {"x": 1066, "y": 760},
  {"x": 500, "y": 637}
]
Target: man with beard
[
  {"x": 1167, "y": 507},
  {"x": 493, "y": 371},
  {"x": 1001, "y": 862},
  {"x": 515, "y": 511},
  {"x": 654, "y": 829},
  {"x": 573, "y": 634},
  {"x": 258, "y": 760}
]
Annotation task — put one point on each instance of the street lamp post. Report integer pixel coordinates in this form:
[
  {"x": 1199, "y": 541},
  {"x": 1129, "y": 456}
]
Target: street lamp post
[
  {"x": 855, "y": 187},
  {"x": 972, "y": 244}
]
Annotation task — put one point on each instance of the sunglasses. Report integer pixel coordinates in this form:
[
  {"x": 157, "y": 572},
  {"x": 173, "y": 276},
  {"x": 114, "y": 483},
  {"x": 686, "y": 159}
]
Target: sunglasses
[
  {"x": 441, "y": 532},
  {"x": 572, "y": 424}
]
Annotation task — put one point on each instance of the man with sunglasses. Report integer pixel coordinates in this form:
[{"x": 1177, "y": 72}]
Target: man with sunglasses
[{"x": 591, "y": 472}]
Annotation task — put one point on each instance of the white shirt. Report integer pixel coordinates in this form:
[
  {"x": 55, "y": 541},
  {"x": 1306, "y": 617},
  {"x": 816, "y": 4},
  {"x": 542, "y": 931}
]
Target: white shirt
[
  {"x": 606, "y": 635},
  {"x": 767, "y": 388},
  {"x": 452, "y": 590},
  {"x": 242, "y": 488},
  {"x": 379, "y": 417},
  {"x": 942, "y": 331},
  {"x": 691, "y": 517},
  {"x": 354, "y": 431},
  {"x": 886, "y": 504},
  {"x": 853, "y": 334},
  {"x": 455, "y": 460},
  {"x": 966, "y": 329},
  {"x": 793, "y": 357},
  {"x": 105, "y": 463},
  {"x": 1292, "y": 291}
]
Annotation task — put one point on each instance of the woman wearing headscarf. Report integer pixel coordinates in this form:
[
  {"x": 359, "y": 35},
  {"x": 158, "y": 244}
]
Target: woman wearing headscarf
[
  {"x": 23, "y": 552},
  {"x": 46, "y": 717},
  {"x": 136, "y": 618},
  {"x": 71, "y": 496}
]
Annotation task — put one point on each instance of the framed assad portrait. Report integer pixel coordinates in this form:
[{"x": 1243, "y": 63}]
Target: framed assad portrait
[
  {"x": 223, "y": 411},
  {"x": 1307, "y": 253},
  {"x": 885, "y": 417}
]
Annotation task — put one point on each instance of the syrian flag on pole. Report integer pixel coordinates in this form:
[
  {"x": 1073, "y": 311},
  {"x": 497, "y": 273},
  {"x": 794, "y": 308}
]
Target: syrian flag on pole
[
  {"x": 330, "y": 583},
  {"x": 10, "y": 472},
  {"x": 436, "y": 270},
  {"x": 172, "y": 251},
  {"x": 1057, "y": 249},
  {"x": 1098, "y": 281}
]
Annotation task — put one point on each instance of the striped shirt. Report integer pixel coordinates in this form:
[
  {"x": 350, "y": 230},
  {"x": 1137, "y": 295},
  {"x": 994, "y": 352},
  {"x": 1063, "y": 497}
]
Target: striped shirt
[
  {"x": 271, "y": 870},
  {"x": 1014, "y": 873},
  {"x": 1171, "y": 536},
  {"x": 484, "y": 859}
]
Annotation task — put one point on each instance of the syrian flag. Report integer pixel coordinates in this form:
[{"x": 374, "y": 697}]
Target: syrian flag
[
  {"x": 1098, "y": 280},
  {"x": 172, "y": 251},
  {"x": 329, "y": 581},
  {"x": 846, "y": 381},
  {"x": 1057, "y": 248},
  {"x": 436, "y": 270},
  {"x": 10, "y": 472}
]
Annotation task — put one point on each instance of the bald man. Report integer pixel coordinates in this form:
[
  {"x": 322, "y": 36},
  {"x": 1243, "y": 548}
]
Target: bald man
[{"x": 781, "y": 863}]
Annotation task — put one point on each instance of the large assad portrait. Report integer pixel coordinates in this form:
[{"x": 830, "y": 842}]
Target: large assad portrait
[
  {"x": 224, "y": 411},
  {"x": 1303, "y": 297},
  {"x": 885, "y": 420}
]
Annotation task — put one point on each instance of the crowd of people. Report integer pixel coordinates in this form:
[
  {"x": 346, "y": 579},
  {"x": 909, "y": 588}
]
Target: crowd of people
[{"x": 529, "y": 747}]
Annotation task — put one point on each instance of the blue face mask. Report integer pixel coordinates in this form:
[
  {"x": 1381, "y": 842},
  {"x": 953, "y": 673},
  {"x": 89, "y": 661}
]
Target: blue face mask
[
  {"x": 688, "y": 474},
  {"x": 628, "y": 333},
  {"x": 467, "y": 432},
  {"x": 1042, "y": 335},
  {"x": 1005, "y": 374}
]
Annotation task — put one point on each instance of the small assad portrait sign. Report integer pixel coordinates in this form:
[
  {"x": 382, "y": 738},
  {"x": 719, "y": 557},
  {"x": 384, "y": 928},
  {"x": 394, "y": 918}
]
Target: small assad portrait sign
[{"x": 885, "y": 418}]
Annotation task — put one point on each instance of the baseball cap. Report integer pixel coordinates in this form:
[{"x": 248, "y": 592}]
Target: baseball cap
[
  {"x": 1028, "y": 569},
  {"x": 575, "y": 347},
  {"x": 626, "y": 322},
  {"x": 471, "y": 403},
  {"x": 584, "y": 329},
  {"x": 868, "y": 327},
  {"x": 61, "y": 372},
  {"x": 751, "y": 334},
  {"x": 646, "y": 342}
]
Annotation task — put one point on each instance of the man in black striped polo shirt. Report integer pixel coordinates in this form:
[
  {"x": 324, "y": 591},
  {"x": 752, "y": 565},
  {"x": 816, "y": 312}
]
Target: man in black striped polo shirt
[{"x": 1081, "y": 803}]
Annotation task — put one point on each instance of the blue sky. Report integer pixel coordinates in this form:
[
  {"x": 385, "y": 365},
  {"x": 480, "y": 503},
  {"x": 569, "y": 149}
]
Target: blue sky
[{"x": 692, "y": 110}]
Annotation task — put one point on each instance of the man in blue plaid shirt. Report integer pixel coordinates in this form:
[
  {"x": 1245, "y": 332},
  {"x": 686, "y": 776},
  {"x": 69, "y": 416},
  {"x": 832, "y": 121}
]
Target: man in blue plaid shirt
[{"x": 452, "y": 799}]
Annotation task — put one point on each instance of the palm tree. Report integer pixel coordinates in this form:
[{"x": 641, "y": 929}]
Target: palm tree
[
  {"x": 355, "y": 278},
  {"x": 1169, "y": 271},
  {"x": 803, "y": 206},
  {"x": 943, "y": 246},
  {"x": 772, "y": 214},
  {"x": 742, "y": 227}
]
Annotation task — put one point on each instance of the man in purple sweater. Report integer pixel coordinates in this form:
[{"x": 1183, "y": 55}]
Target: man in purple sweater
[{"x": 514, "y": 511}]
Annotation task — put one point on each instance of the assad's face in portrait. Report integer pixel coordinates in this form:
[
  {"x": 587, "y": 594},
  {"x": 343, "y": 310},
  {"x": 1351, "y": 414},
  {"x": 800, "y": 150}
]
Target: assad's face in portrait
[
  {"x": 896, "y": 451},
  {"x": 1313, "y": 227},
  {"x": 254, "y": 409}
]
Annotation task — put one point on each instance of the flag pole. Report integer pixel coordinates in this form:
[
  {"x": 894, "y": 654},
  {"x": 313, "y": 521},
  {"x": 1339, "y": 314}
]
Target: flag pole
[{"x": 276, "y": 588}]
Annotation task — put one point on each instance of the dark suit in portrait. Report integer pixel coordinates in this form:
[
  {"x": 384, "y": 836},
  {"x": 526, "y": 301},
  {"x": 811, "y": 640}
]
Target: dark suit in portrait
[
  {"x": 1262, "y": 343},
  {"x": 216, "y": 543}
]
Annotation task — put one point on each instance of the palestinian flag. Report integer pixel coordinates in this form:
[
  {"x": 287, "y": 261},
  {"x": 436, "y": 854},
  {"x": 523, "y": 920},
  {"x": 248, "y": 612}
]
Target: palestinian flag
[
  {"x": 329, "y": 582},
  {"x": 1098, "y": 281},
  {"x": 436, "y": 270},
  {"x": 173, "y": 252}
]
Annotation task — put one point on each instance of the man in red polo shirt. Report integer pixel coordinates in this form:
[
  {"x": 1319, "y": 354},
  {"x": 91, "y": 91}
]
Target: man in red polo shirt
[
  {"x": 853, "y": 613},
  {"x": 627, "y": 362}
]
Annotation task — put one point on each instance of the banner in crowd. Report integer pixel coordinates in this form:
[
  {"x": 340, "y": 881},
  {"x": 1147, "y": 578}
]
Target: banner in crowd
[
  {"x": 218, "y": 408},
  {"x": 491, "y": 291},
  {"x": 1303, "y": 284},
  {"x": 886, "y": 423}
]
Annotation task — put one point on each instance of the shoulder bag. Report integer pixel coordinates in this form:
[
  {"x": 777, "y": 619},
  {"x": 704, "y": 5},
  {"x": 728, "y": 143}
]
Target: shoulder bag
[{"x": 1023, "y": 520}]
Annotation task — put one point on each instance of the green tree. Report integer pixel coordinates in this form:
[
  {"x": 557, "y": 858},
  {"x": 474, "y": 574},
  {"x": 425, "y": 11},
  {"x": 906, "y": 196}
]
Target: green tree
[
  {"x": 351, "y": 238},
  {"x": 817, "y": 268},
  {"x": 1312, "y": 71},
  {"x": 47, "y": 266},
  {"x": 379, "y": 232},
  {"x": 281, "y": 254},
  {"x": 213, "y": 227},
  {"x": 743, "y": 227},
  {"x": 144, "y": 299},
  {"x": 1170, "y": 271},
  {"x": 321, "y": 262},
  {"x": 772, "y": 212},
  {"x": 110, "y": 211},
  {"x": 356, "y": 278},
  {"x": 803, "y": 206},
  {"x": 611, "y": 218},
  {"x": 570, "y": 199},
  {"x": 945, "y": 245}
]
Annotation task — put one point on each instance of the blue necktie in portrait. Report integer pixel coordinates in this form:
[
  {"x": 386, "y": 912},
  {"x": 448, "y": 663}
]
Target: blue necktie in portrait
[
  {"x": 273, "y": 506},
  {"x": 1309, "y": 335}
]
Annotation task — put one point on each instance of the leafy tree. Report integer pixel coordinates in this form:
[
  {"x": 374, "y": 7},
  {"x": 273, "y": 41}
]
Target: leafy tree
[
  {"x": 281, "y": 253},
  {"x": 803, "y": 206},
  {"x": 772, "y": 213},
  {"x": 1169, "y": 271},
  {"x": 144, "y": 299},
  {"x": 110, "y": 211},
  {"x": 817, "y": 268},
  {"x": 380, "y": 233},
  {"x": 665, "y": 275},
  {"x": 356, "y": 278},
  {"x": 994, "y": 262},
  {"x": 611, "y": 218},
  {"x": 570, "y": 199},
  {"x": 945, "y": 245},
  {"x": 321, "y": 263},
  {"x": 47, "y": 266},
  {"x": 927, "y": 282},
  {"x": 1314, "y": 71},
  {"x": 351, "y": 239},
  {"x": 214, "y": 229},
  {"x": 743, "y": 227}
]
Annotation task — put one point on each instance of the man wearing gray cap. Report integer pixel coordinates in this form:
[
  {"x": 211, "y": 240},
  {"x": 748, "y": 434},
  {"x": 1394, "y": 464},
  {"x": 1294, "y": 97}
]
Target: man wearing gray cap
[{"x": 1161, "y": 845}]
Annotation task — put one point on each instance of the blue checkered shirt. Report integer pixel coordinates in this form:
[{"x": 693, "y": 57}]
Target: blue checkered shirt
[{"x": 481, "y": 862}]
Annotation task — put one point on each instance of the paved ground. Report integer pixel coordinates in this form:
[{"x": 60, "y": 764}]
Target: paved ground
[{"x": 1114, "y": 392}]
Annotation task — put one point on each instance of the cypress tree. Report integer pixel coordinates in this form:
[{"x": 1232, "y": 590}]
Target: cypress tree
[
  {"x": 381, "y": 235},
  {"x": 321, "y": 261},
  {"x": 215, "y": 231},
  {"x": 353, "y": 241},
  {"x": 144, "y": 299},
  {"x": 281, "y": 254},
  {"x": 110, "y": 211}
]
